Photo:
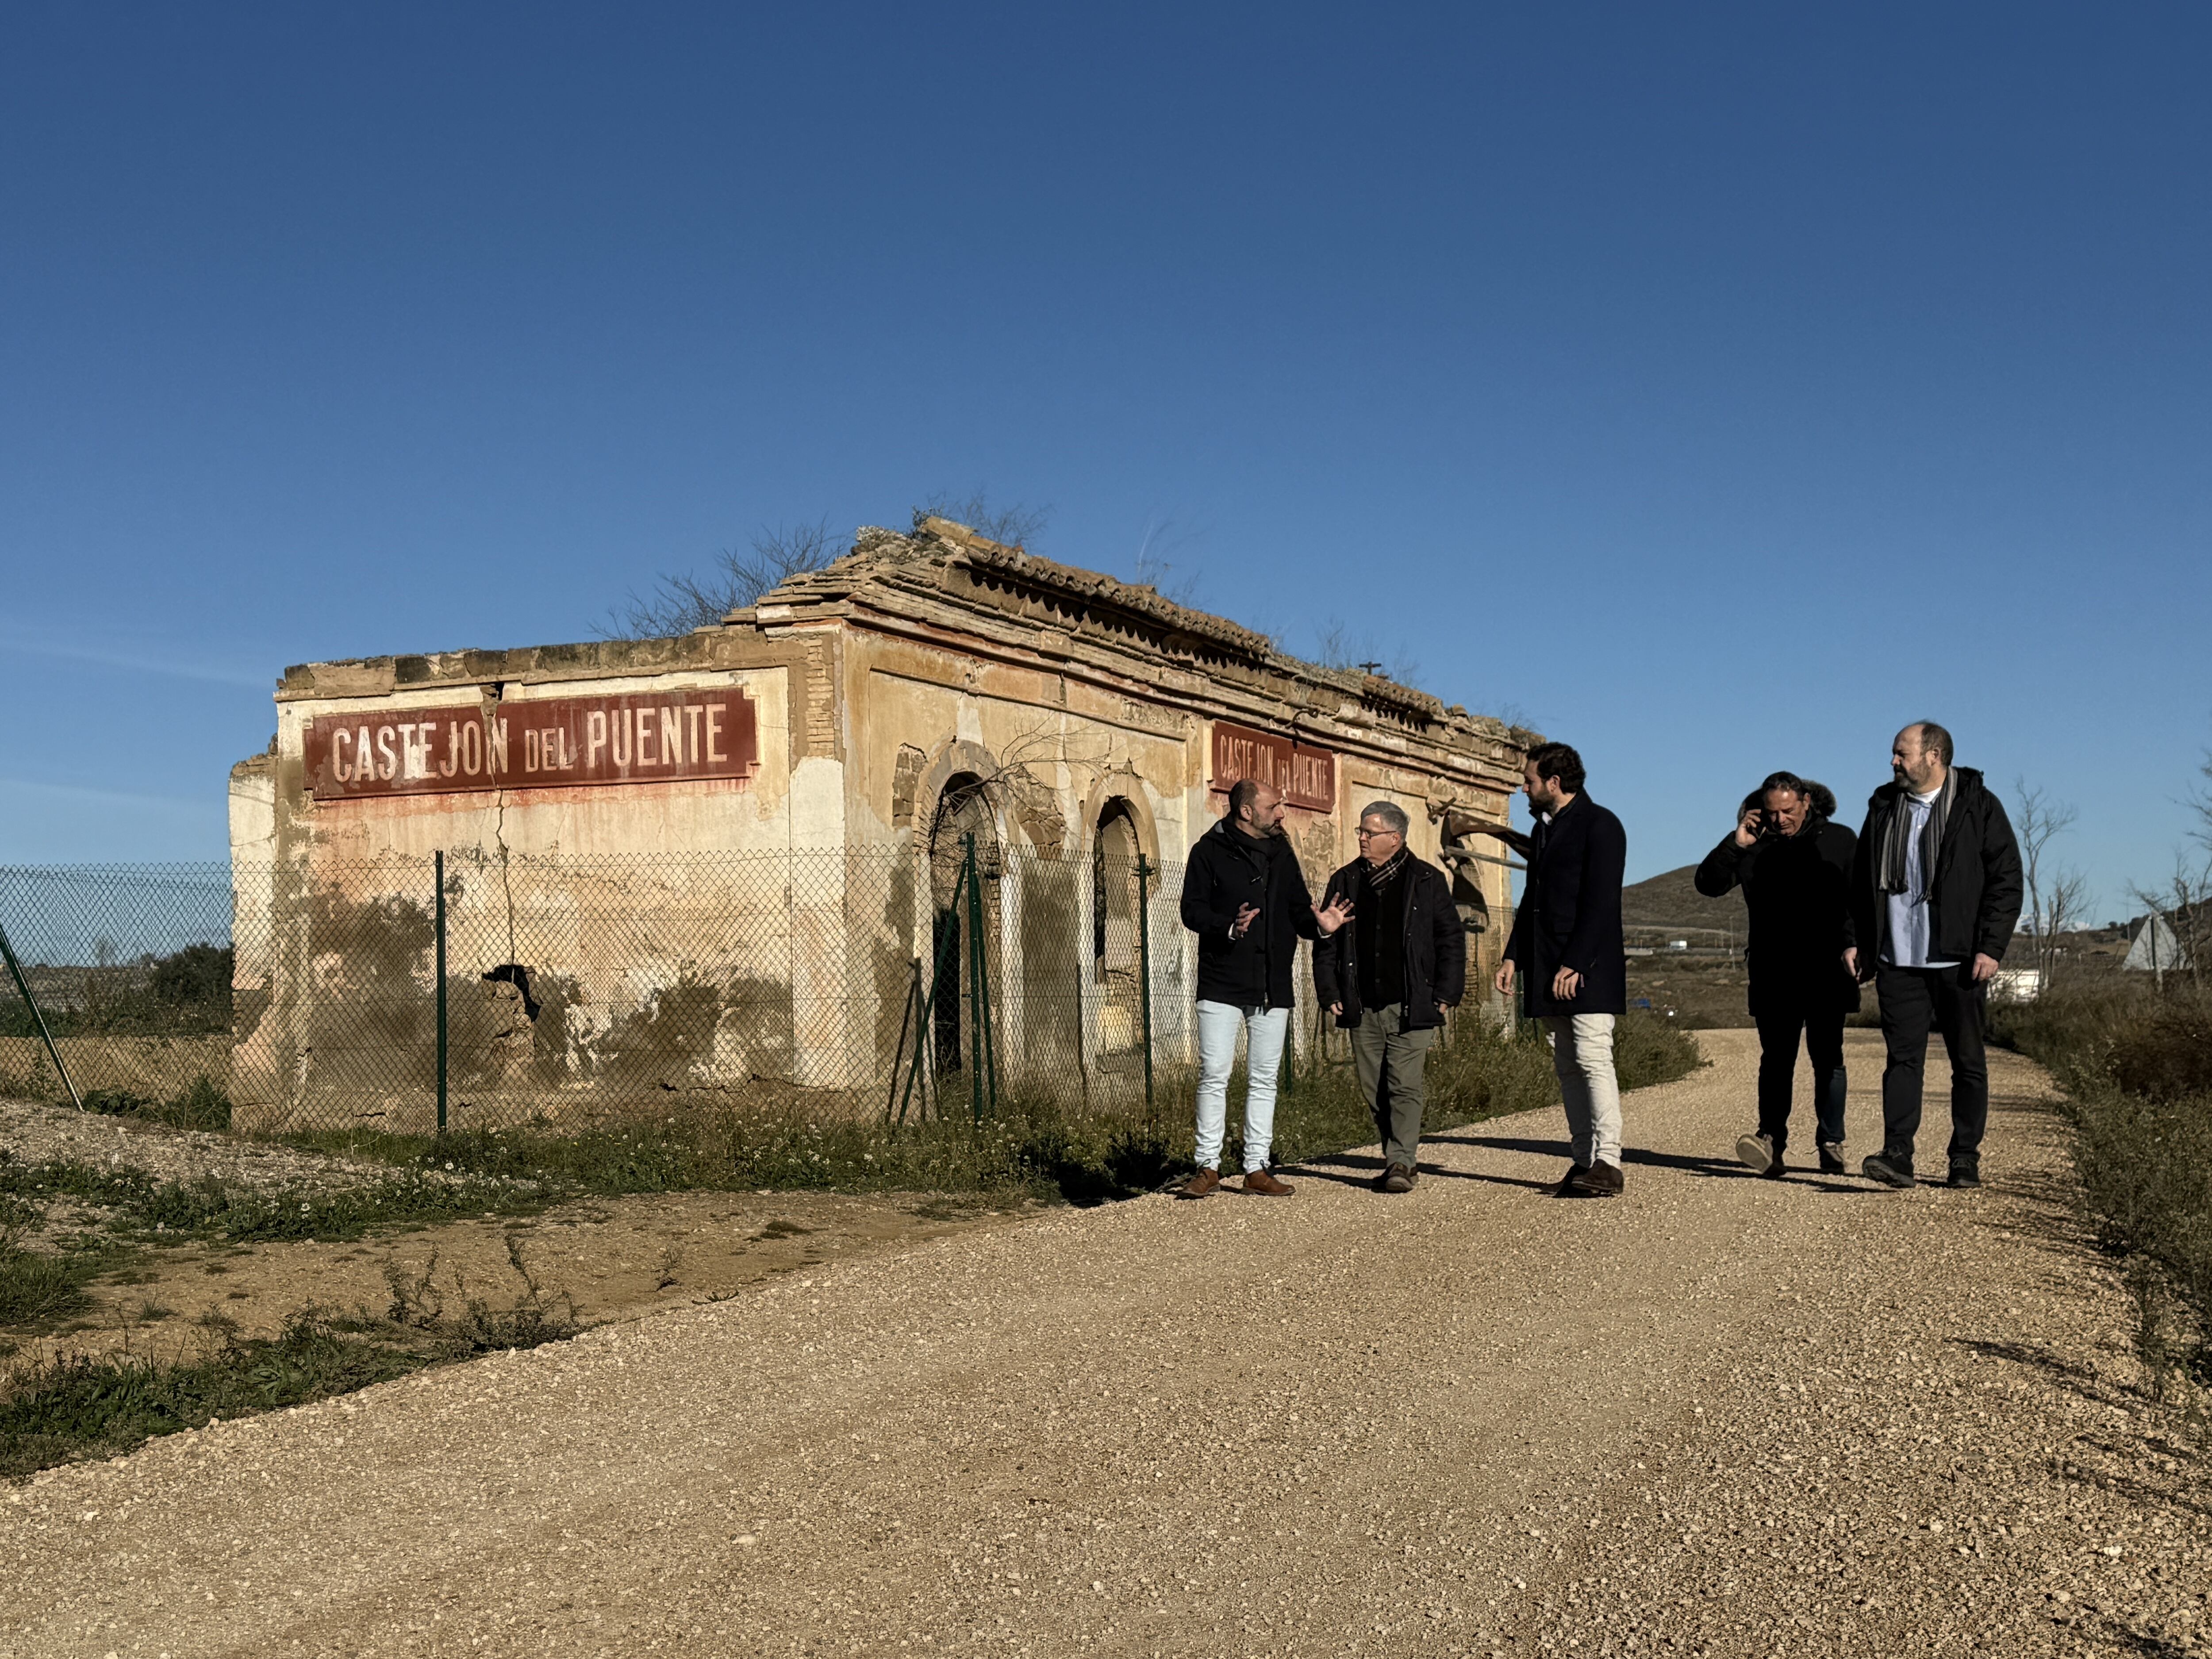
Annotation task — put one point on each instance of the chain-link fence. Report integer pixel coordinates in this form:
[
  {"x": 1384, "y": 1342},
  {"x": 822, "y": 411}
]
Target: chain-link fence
[
  {"x": 498, "y": 990},
  {"x": 475, "y": 989}
]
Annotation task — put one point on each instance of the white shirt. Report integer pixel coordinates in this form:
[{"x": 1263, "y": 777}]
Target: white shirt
[{"x": 1909, "y": 923}]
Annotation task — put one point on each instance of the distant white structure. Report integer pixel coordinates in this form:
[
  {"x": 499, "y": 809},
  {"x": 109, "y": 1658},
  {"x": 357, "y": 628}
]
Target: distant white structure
[
  {"x": 2155, "y": 949},
  {"x": 2016, "y": 985}
]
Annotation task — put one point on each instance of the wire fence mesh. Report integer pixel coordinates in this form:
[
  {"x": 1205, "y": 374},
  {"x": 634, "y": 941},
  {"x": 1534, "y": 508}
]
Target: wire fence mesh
[{"x": 836, "y": 983}]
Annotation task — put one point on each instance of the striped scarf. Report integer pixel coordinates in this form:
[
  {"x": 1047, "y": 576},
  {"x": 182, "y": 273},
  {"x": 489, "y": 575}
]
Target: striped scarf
[
  {"x": 1380, "y": 875},
  {"x": 1894, "y": 833}
]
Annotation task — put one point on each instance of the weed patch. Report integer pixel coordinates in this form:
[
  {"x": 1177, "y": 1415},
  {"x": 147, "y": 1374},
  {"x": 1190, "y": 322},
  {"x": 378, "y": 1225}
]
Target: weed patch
[
  {"x": 77, "y": 1406},
  {"x": 1039, "y": 1145},
  {"x": 211, "y": 1208},
  {"x": 2136, "y": 1067},
  {"x": 202, "y": 1106}
]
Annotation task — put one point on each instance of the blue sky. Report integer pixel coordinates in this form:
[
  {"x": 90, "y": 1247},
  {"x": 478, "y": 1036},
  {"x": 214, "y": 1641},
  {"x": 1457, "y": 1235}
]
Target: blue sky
[{"x": 1718, "y": 386}]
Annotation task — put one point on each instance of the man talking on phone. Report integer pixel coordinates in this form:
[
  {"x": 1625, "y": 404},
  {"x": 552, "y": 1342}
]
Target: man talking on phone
[
  {"x": 1567, "y": 940},
  {"x": 1795, "y": 868},
  {"x": 1936, "y": 892}
]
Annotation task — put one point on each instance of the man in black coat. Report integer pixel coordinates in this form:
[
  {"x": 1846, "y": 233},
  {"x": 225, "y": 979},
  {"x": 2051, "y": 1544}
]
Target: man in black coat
[
  {"x": 1936, "y": 892},
  {"x": 1795, "y": 867},
  {"x": 1389, "y": 976},
  {"x": 1567, "y": 944},
  {"x": 1245, "y": 897}
]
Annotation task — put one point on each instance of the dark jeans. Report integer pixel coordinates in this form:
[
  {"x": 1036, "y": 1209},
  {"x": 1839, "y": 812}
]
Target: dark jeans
[
  {"x": 1946, "y": 1000},
  {"x": 1781, "y": 1022}
]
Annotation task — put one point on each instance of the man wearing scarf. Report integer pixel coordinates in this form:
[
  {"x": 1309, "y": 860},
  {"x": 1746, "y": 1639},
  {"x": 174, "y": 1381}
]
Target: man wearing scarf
[
  {"x": 1936, "y": 891},
  {"x": 1405, "y": 964}
]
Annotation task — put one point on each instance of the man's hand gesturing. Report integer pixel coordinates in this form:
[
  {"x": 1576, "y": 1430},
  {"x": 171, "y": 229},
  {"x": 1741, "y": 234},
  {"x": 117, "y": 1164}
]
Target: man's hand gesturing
[
  {"x": 1333, "y": 915},
  {"x": 1245, "y": 917}
]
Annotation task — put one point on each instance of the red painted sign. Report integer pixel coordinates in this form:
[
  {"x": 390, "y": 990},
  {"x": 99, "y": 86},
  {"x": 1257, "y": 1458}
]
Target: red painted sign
[
  {"x": 552, "y": 742},
  {"x": 1302, "y": 774}
]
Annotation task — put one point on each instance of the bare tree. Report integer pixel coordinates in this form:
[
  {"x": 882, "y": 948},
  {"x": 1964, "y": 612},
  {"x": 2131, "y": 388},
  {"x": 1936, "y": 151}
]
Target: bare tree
[
  {"x": 1151, "y": 567},
  {"x": 2057, "y": 896},
  {"x": 1013, "y": 525},
  {"x": 679, "y": 603}
]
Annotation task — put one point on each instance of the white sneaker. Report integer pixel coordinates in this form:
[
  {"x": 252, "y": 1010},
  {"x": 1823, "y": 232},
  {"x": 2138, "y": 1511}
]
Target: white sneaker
[{"x": 1755, "y": 1153}]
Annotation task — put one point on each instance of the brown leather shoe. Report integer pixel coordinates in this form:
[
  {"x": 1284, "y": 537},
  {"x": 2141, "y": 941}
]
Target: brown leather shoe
[
  {"x": 1200, "y": 1184},
  {"x": 1262, "y": 1182},
  {"x": 1399, "y": 1178},
  {"x": 1601, "y": 1180}
]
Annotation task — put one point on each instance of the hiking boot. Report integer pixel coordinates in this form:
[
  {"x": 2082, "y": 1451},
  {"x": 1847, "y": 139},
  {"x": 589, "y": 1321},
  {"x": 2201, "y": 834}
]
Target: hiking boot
[
  {"x": 1261, "y": 1182},
  {"x": 1199, "y": 1185},
  {"x": 1831, "y": 1158},
  {"x": 1602, "y": 1180},
  {"x": 1399, "y": 1178},
  {"x": 1570, "y": 1184},
  {"x": 1890, "y": 1169},
  {"x": 1757, "y": 1154},
  {"x": 1964, "y": 1177}
]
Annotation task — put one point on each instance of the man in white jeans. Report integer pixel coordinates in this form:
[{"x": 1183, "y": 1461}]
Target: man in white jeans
[
  {"x": 1245, "y": 897},
  {"x": 1567, "y": 938}
]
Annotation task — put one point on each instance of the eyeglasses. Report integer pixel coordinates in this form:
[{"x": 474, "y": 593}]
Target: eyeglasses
[{"x": 1364, "y": 834}]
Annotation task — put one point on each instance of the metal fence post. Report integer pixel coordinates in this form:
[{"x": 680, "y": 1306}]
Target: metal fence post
[
  {"x": 1145, "y": 971},
  {"x": 38, "y": 1019},
  {"x": 440, "y": 865}
]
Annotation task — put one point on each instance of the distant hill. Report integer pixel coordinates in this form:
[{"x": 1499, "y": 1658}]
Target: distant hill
[{"x": 1670, "y": 902}]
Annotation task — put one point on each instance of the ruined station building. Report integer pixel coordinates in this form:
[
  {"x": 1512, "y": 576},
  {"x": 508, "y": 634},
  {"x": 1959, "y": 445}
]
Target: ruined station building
[{"x": 730, "y": 861}]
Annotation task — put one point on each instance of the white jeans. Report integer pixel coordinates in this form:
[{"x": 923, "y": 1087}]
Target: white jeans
[
  {"x": 1264, "y": 1030},
  {"x": 1581, "y": 1055}
]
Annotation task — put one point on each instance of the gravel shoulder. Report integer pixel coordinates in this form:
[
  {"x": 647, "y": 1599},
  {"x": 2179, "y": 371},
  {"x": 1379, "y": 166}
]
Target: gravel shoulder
[{"x": 1719, "y": 1415}]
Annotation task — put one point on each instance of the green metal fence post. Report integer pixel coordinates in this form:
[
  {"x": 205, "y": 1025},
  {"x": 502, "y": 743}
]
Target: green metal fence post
[
  {"x": 38, "y": 1019},
  {"x": 1145, "y": 971},
  {"x": 441, "y": 869},
  {"x": 972, "y": 924}
]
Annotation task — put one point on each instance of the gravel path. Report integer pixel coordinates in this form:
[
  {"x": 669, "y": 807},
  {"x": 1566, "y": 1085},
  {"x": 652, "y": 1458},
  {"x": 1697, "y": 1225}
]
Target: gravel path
[
  {"x": 36, "y": 1132},
  {"x": 1719, "y": 1415}
]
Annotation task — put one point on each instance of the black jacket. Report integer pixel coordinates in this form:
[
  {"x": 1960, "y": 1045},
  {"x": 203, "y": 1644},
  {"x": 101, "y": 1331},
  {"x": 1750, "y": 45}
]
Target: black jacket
[
  {"x": 1569, "y": 913},
  {"x": 1228, "y": 870},
  {"x": 1797, "y": 889},
  {"x": 1973, "y": 896},
  {"x": 1435, "y": 946}
]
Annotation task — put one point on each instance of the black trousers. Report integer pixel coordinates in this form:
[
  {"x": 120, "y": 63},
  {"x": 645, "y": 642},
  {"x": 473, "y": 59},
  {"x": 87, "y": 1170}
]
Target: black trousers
[
  {"x": 1915, "y": 1000},
  {"x": 1782, "y": 1020}
]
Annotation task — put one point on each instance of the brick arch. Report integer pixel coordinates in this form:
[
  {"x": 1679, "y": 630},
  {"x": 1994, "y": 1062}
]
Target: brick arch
[{"x": 1127, "y": 787}]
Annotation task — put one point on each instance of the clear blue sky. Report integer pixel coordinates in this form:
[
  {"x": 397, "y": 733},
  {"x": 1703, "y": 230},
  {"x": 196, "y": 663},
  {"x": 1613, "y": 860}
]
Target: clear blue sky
[{"x": 1717, "y": 387}]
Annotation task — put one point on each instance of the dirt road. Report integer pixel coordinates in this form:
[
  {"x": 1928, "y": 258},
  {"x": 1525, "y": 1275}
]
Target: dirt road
[{"x": 1719, "y": 1415}]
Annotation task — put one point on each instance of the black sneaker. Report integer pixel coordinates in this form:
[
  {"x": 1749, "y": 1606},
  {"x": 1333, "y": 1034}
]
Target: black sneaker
[
  {"x": 1964, "y": 1177},
  {"x": 1831, "y": 1158},
  {"x": 1571, "y": 1184},
  {"x": 1889, "y": 1170}
]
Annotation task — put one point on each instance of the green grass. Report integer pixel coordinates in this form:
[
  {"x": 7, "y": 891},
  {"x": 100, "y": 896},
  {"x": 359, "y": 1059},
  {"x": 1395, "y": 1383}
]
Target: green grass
[
  {"x": 204, "y": 1105},
  {"x": 2136, "y": 1067},
  {"x": 147, "y": 1210},
  {"x": 80, "y": 1406},
  {"x": 1038, "y": 1144}
]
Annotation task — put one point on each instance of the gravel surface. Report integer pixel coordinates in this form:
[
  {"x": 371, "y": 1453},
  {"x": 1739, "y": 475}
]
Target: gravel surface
[
  {"x": 1719, "y": 1415},
  {"x": 36, "y": 1133}
]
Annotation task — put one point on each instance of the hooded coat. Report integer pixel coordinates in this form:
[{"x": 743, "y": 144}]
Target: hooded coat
[{"x": 1797, "y": 889}]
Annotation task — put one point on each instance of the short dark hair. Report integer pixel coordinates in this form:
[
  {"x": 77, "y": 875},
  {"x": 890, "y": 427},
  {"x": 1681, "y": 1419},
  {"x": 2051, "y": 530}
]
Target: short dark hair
[
  {"x": 1934, "y": 737},
  {"x": 1558, "y": 760},
  {"x": 1787, "y": 782},
  {"x": 1242, "y": 794}
]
